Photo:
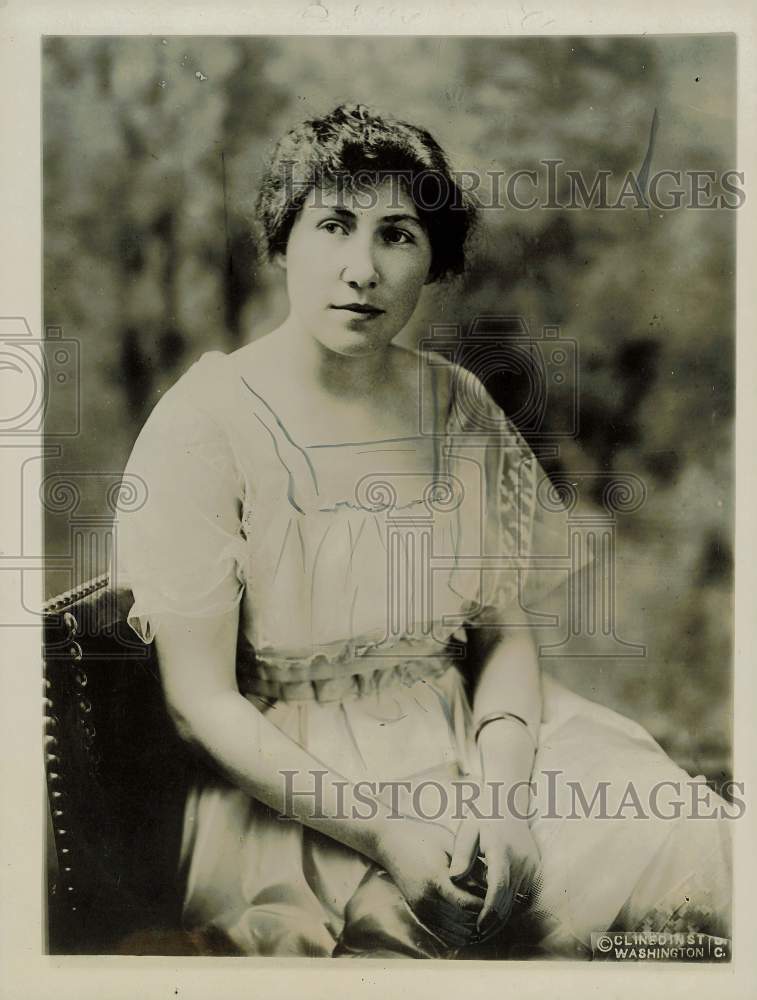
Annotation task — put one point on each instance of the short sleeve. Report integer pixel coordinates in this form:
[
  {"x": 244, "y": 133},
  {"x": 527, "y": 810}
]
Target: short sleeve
[
  {"x": 529, "y": 532},
  {"x": 534, "y": 522},
  {"x": 178, "y": 543}
]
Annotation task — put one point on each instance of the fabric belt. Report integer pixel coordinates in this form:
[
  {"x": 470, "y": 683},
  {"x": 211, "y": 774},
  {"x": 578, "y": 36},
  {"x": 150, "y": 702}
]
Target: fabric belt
[{"x": 357, "y": 682}]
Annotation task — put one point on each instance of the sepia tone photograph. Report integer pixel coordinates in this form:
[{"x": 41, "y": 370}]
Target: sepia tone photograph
[{"x": 388, "y": 496}]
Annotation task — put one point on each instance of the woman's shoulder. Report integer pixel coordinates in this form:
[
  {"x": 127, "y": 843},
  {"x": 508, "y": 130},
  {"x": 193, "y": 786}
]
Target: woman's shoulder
[
  {"x": 462, "y": 389},
  {"x": 189, "y": 410},
  {"x": 432, "y": 372},
  {"x": 207, "y": 370},
  {"x": 186, "y": 436}
]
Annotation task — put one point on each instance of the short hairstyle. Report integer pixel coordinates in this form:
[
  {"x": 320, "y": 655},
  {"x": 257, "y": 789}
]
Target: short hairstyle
[{"x": 353, "y": 146}]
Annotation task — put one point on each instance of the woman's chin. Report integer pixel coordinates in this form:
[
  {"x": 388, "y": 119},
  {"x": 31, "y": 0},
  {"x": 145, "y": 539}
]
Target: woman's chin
[{"x": 353, "y": 342}]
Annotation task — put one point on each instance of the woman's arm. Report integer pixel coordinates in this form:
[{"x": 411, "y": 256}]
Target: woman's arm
[
  {"x": 197, "y": 659},
  {"x": 506, "y": 679},
  {"x": 198, "y": 668}
]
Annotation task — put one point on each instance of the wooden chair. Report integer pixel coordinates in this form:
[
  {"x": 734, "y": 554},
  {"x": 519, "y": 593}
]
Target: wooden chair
[{"x": 117, "y": 777}]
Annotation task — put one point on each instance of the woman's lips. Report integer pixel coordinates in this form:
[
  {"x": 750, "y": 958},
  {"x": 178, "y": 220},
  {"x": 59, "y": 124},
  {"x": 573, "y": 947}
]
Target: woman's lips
[{"x": 359, "y": 309}]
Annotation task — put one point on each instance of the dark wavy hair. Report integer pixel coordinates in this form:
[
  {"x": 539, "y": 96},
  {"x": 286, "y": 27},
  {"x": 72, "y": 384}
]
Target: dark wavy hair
[{"x": 352, "y": 147}]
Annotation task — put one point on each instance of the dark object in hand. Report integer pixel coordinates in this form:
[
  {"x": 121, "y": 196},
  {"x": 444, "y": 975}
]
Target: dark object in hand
[{"x": 474, "y": 880}]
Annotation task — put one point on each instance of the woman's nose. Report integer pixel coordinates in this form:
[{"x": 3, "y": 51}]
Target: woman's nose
[{"x": 360, "y": 270}]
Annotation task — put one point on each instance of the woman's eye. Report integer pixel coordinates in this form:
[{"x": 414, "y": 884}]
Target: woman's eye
[
  {"x": 333, "y": 227},
  {"x": 398, "y": 237}
]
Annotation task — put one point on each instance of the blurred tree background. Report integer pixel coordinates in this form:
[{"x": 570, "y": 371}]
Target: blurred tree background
[{"x": 152, "y": 152}]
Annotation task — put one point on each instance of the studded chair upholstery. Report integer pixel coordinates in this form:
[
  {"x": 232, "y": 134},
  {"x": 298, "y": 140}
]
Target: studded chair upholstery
[{"x": 117, "y": 776}]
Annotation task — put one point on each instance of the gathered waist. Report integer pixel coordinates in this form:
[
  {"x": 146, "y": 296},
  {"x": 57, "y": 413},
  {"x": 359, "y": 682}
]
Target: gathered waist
[{"x": 348, "y": 680}]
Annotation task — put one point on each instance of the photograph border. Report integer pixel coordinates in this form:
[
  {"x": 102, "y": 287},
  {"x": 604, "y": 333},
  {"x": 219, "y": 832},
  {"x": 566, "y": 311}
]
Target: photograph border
[{"x": 25, "y": 970}]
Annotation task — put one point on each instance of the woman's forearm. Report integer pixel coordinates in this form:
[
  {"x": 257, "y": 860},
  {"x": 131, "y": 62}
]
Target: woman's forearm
[
  {"x": 509, "y": 681},
  {"x": 198, "y": 671},
  {"x": 256, "y": 756}
]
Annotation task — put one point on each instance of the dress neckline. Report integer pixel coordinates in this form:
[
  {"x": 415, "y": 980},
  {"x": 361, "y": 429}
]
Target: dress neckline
[
  {"x": 443, "y": 431},
  {"x": 301, "y": 462},
  {"x": 365, "y": 444}
]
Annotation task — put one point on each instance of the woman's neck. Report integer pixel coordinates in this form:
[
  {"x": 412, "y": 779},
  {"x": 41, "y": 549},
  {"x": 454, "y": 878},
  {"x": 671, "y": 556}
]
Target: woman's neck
[{"x": 343, "y": 376}]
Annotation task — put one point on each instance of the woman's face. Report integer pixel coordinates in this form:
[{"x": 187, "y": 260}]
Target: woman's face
[{"x": 366, "y": 249}]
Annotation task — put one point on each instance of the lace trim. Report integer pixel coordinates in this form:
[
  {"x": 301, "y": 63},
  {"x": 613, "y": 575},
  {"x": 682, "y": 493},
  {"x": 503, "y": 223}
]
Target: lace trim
[
  {"x": 349, "y": 685},
  {"x": 350, "y": 656},
  {"x": 516, "y": 508}
]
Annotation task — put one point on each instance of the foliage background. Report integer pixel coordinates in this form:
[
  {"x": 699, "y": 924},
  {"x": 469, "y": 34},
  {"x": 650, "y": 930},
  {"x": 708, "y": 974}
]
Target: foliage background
[{"x": 152, "y": 151}]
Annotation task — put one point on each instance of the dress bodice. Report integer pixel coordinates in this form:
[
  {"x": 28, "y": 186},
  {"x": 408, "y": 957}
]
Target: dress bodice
[{"x": 347, "y": 559}]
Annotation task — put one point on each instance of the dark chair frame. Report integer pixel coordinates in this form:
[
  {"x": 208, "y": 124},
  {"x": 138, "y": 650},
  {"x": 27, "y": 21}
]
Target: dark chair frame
[{"x": 117, "y": 776}]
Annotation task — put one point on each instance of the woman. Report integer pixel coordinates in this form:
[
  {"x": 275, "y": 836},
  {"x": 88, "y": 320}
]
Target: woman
[{"x": 312, "y": 564}]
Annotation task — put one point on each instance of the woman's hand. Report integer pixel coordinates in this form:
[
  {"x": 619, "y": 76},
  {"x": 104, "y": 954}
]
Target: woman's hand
[
  {"x": 512, "y": 862},
  {"x": 508, "y": 691},
  {"x": 416, "y": 855}
]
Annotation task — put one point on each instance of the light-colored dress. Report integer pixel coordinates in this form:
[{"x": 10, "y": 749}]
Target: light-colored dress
[{"x": 355, "y": 577}]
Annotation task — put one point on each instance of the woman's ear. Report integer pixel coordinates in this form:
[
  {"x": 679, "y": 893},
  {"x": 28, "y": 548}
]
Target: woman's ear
[{"x": 280, "y": 260}]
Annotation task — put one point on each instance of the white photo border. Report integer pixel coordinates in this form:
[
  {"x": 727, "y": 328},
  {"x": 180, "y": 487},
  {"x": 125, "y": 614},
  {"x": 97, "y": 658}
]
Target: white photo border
[{"x": 25, "y": 970}]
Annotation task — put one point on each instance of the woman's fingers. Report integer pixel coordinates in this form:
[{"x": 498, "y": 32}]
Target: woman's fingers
[
  {"x": 511, "y": 872},
  {"x": 516, "y": 895},
  {"x": 465, "y": 849},
  {"x": 455, "y": 898},
  {"x": 498, "y": 903}
]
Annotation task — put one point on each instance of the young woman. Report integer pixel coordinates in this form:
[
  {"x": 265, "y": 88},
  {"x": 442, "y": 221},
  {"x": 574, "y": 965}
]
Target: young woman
[{"x": 330, "y": 561}]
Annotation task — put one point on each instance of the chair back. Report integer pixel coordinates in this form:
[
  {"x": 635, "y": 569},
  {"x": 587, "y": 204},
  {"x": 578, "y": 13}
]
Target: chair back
[{"x": 117, "y": 775}]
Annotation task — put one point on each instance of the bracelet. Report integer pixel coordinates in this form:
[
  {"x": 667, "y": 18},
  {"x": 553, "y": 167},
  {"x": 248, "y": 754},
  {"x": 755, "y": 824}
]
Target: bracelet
[{"x": 494, "y": 716}]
